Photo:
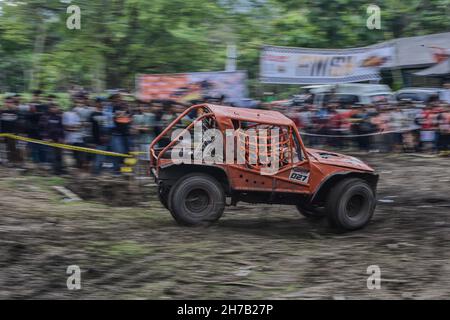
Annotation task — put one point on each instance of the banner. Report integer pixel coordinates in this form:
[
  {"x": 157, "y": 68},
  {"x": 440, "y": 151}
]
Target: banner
[
  {"x": 320, "y": 66},
  {"x": 184, "y": 87}
]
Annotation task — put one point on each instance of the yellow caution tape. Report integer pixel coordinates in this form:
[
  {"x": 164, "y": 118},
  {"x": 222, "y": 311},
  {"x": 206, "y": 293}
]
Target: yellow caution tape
[
  {"x": 66, "y": 146},
  {"x": 130, "y": 161},
  {"x": 126, "y": 169}
]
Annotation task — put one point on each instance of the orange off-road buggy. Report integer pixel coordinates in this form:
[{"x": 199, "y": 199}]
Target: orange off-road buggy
[{"x": 318, "y": 183}]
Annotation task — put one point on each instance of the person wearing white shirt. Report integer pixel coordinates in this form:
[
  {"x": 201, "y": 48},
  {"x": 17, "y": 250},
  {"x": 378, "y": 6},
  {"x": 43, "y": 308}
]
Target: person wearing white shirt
[{"x": 73, "y": 133}]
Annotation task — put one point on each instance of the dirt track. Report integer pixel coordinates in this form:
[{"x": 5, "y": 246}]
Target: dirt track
[{"x": 253, "y": 252}]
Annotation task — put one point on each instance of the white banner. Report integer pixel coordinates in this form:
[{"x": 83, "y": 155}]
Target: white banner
[{"x": 318, "y": 66}]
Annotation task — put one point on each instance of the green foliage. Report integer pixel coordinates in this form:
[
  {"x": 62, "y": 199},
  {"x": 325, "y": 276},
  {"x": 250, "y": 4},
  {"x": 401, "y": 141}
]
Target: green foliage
[{"x": 121, "y": 38}]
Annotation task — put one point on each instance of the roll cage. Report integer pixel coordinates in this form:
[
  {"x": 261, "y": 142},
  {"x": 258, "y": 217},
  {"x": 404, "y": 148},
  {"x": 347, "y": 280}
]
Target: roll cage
[{"x": 291, "y": 150}]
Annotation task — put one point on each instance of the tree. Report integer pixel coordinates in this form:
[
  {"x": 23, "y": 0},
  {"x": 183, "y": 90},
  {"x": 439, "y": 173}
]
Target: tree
[{"x": 119, "y": 39}]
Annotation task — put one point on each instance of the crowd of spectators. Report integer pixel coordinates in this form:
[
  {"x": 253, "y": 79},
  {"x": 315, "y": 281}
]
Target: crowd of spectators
[
  {"x": 379, "y": 127},
  {"x": 117, "y": 124},
  {"x": 122, "y": 124}
]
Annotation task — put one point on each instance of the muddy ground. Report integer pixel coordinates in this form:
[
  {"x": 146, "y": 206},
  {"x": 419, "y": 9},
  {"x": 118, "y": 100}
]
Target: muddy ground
[{"x": 254, "y": 252}]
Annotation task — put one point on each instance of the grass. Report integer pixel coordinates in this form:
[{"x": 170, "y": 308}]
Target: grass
[
  {"x": 33, "y": 181},
  {"x": 121, "y": 249}
]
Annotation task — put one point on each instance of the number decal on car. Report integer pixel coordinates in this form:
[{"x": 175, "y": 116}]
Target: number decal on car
[{"x": 299, "y": 175}]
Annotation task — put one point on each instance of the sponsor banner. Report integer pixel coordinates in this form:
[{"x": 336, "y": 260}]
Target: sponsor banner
[
  {"x": 320, "y": 66},
  {"x": 184, "y": 87}
]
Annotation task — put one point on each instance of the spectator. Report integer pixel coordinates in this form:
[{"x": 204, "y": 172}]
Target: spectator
[
  {"x": 167, "y": 115},
  {"x": 84, "y": 111},
  {"x": 73, "y": 134},
  {"x": 320, "y": 124},
  {"x": 397, "y": 123},
  {"x": 380, "y": 121},
  {"x": 101, "y": 133},
  {"x": 443, "y": 124},
  {"x": 305, "y": 116},
  {"x": 120, "y": 134},
  {"x": 9, "y": 116},
  {"x": 306, "y": 120},
  {"x": 52, "y": 130},
  {"x": 158, "y": 112},
  {"x": 445, "y": 94},
  {"x": 427, "y": 121},
  {"x": 36, "y": 110},
  {"x": 335, "y": 126},
  {"x": 362, "y": 126},
  {"x": 143, "y": 124},
  {"x": 23, "y": 109}
]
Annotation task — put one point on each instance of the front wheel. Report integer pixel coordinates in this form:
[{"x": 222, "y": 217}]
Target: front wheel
[
  {"x": 197, "y": 199},
  {"x": 350, "y": 204}
]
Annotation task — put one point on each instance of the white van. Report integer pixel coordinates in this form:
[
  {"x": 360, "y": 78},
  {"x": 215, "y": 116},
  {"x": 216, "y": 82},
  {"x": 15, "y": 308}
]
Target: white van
[{"x": 349, "y": 94}]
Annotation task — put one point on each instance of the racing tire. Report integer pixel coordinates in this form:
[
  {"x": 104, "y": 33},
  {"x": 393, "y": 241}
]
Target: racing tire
[
  {"x": 350, "y": 204},
  {"x": 197, "y": 199}
]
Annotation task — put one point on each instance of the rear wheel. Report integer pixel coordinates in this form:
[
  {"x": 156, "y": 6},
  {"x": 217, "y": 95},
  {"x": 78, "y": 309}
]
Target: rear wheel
[
  {"x": 350, "y": 204},
  {"x": 197, "y": 199}
]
